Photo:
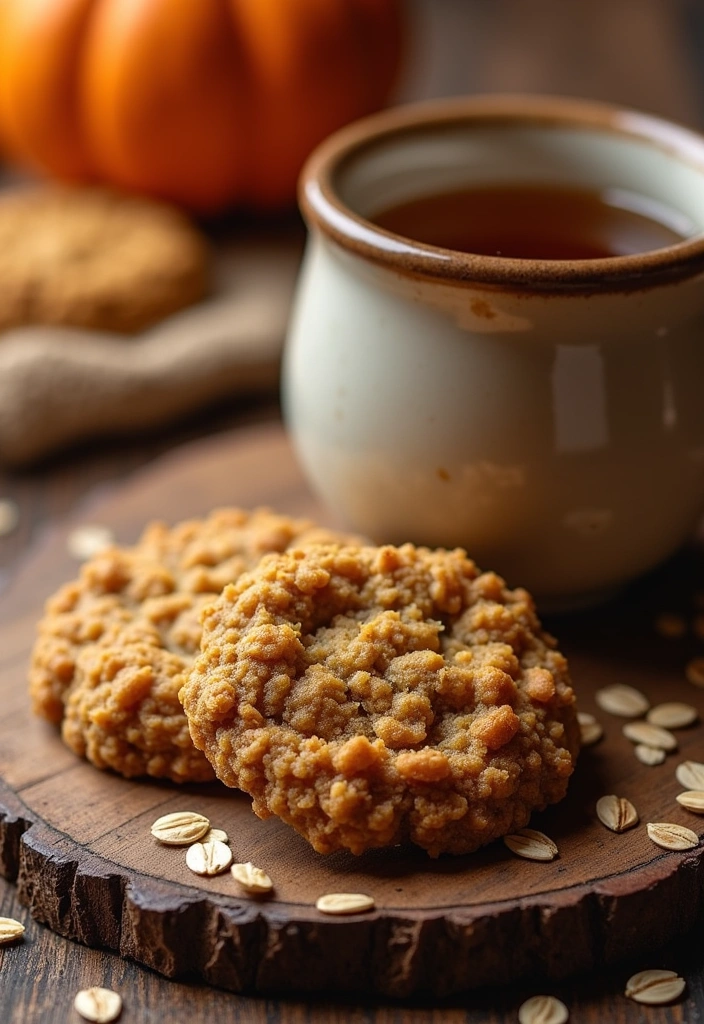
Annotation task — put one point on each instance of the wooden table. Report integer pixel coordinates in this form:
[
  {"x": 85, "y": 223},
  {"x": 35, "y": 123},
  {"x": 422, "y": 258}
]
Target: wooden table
[{"x": 639, "y": 52}]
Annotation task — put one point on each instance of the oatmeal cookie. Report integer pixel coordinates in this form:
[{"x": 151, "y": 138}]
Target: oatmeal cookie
[
  {"x": 369, "y": 696},
  {"x": 114, "y": 646},
  {"x": 96, "y": 259}
]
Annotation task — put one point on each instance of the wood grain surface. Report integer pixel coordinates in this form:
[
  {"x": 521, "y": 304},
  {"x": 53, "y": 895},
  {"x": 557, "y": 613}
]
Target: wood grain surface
[{"x": 88, "y": 868}]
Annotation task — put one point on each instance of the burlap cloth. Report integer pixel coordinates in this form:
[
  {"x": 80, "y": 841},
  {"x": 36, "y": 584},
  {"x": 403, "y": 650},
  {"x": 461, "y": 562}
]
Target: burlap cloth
[{"x": 59, "y": 385}]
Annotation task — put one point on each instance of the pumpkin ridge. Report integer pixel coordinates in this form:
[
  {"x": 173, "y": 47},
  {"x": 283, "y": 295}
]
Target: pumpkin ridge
[{"x": 40, "y": 47}]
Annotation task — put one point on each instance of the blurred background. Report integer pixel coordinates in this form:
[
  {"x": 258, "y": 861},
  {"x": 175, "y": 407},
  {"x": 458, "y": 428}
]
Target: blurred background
[
  {"x": 215, "y": 110},
  {"x": 643, "y": 53}
]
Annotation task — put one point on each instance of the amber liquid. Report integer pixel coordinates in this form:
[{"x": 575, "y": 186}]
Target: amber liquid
[{"x": 536, "y": 222}]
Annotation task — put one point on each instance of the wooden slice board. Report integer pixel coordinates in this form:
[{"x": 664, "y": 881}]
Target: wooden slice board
[{"x": 77, "y": 840}]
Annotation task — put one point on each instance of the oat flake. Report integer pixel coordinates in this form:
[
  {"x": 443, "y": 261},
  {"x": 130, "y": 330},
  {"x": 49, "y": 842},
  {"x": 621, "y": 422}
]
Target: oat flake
[
  {"x": 650, "y": 735},
  {"x": 624, "y": 701},
  {"x": 531, "y": 844},
  {"x": 211, "y": 857},
  {"x": 543, "y": 1010},
  {"x": 616, "y": 813},
  {"x": 9, "y": 516},
  {"x": 251, "y": 878},
  {"x": 86, "y": 541},
  {"x": 181, "y": 828},
  {"x": 10, "y": 930},
  {"x": 692, "y": 800},
  {"x": 344, "y": 903},
  {"x": 673, "y": 715},
  {"x": 655, "y": 987},
  {"x": 672, "y": 837},
  {"x": 590, "y": 731},
  {"x": 100, "y": 1005},
  {"x": 690, "y": 774},
  {"x": 216, "y": 833},
  {"x": 649, "y": 755}
]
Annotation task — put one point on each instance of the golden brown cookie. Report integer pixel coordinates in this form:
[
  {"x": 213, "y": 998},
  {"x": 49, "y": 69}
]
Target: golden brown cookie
[
  {"x": 368, "y": 696},
  {"x": 114, "y": 645},
  {"x": 95, "y": 259}
]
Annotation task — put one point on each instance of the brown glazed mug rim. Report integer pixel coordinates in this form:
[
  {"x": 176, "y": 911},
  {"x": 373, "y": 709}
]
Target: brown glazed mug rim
[{"x": 323, "y": 209}]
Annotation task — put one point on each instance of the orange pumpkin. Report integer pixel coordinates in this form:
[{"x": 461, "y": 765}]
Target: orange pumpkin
[{"x": 204, "y": 102}]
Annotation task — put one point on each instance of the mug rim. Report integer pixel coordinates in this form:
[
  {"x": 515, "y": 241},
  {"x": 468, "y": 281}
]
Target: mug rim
[{"x": 323, "y": 209}]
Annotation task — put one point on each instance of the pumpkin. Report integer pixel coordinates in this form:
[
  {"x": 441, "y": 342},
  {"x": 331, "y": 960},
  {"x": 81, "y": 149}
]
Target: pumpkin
[{"x": 204, "y": 102}]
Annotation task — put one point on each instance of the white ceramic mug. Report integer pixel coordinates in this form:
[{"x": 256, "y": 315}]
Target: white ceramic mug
[{"x": 548, "y": 416}]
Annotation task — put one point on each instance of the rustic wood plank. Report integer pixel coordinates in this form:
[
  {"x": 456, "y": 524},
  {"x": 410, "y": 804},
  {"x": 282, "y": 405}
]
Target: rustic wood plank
[
  {"x": 89, "y": 868},
  {"x": 41, "y": 976}
]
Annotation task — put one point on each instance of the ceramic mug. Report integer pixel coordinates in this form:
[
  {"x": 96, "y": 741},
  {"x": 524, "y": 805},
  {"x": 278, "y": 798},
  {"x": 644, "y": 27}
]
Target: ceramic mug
[{"x": 546, "y": 415}]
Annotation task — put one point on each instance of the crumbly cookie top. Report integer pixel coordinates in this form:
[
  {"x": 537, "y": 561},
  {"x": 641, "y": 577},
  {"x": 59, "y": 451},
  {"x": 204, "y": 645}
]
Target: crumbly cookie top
[
  {"x": 114, "y": 646},
  {"x": 367, "y": 695}
]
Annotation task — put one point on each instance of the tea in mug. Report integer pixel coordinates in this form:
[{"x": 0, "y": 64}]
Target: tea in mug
[{"x": 543, "y": 222}]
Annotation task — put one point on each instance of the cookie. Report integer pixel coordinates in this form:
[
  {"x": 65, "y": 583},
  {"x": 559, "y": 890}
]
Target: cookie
[
  {"x": 114, "y": 646},
  {"x": 369, "y": 696},
  {"x": 95, "y": 259}
]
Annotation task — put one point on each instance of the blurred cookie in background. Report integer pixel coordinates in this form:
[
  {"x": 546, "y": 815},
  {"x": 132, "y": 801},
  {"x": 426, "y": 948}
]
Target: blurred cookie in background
[{"x": 96, "y": 259}]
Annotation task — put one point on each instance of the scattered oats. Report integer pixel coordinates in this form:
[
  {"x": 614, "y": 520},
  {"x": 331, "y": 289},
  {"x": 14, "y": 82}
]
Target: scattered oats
[
  {"x": 531, "y": 844},
  {"x": 690, "y": 774},
  {"x": 180, "y": 828},
  {"x": 10, "y": 930},
  {"x": 692, "y": 800},
  {"x": 542, "y": 1010},
  {"x": 622, "y": 700},
  {"x": 673, "y": 715},
  {"x": 650, "y": 735},
  {"x": 655, "y": 987},
  {"x": 209, "y": 858},
  {"x": 100, "y": 1005},
  {"x": 694, "y": 671},
  {"x": 672, "y": 626},
  {"x": 649, "y": 755},
  {"x": 616, "y": 813},
  {"x": 86, "y": 541},
  {"x": 698, "y": 626},
  {"x": 672, "y": 837},
  {"x": 252, "y": 879},
  {"x": 344, "y": 903},
  {"x": 9, "y": 516},
  {"x": 590, "y": 730}
]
